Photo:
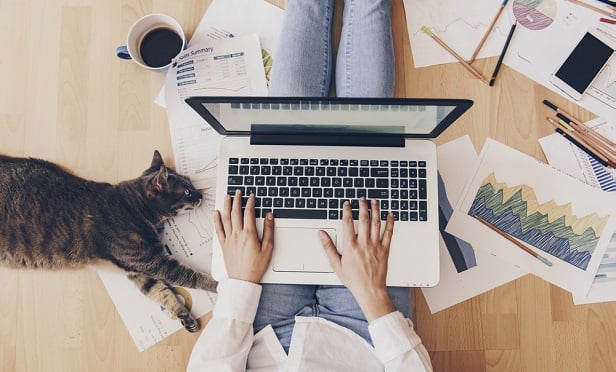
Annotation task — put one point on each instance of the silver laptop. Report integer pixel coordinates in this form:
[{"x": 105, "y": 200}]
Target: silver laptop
[{"x": 303, "y": 157}]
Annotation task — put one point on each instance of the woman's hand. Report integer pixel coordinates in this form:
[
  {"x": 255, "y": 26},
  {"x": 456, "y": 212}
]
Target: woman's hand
[
  {"x": 362, "y": 267},
  {"x": 246, "y": 257}
]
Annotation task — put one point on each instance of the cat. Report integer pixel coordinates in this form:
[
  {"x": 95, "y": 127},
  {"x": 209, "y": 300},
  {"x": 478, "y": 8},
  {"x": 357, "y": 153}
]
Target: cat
[{"x": 52, "y": 219}]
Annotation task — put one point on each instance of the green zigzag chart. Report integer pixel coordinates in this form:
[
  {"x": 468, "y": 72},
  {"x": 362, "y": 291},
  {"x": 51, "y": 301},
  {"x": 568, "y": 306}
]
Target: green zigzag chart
[{"x": 548, "y": 226}]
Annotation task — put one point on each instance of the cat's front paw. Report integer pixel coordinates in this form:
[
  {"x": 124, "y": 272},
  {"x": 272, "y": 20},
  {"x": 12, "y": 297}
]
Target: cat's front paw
[{"x": 188, "y": 321}]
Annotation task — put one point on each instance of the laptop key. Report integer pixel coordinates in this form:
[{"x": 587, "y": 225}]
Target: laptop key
[
  {"x": 378, "y": 194},
  {"x": 423, "y": 189},
  {"x": 312, "y": 214},
  {"x": 235, "y": 180}
]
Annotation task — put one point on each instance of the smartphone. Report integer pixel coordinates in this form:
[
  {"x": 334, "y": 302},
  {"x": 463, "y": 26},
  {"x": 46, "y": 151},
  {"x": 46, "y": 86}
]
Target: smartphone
[{"x": 584, "y": 63}]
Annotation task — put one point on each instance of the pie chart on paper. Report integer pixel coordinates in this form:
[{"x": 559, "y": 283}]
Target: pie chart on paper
[{"x": 535, "y": 14}]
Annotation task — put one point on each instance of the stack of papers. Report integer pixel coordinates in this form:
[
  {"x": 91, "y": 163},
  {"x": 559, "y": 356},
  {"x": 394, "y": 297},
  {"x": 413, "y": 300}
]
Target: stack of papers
[{"x": 564, "y": 219}]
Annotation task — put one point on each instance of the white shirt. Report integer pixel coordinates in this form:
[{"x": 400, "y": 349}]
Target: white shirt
[{"x": 228, "y": 344}]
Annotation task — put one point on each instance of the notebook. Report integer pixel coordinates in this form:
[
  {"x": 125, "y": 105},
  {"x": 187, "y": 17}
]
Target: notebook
[{"x": 303, "y": 157}]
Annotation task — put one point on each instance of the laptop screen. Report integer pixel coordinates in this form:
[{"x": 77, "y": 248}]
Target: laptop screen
[{"x": 371, "y": 116}]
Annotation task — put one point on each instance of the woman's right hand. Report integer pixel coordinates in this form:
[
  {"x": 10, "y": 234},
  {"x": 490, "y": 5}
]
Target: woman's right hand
[{"x": 362, "y": 267}]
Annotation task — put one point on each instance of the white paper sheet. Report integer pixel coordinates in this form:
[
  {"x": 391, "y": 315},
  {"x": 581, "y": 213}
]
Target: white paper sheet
[
  {"x": 233, "y": 18},
  {"x": 569, "y": 212},
  {"x": 226, "y": 67},
  {"x": 456, "y": 161},
  {"x": 565, "y": 156},
  {"x": 538, "y": 53},
  {"x": 460, "y": 24},
  {"x": 188, "y": 239},
  {"x": 545, "y": 35}
]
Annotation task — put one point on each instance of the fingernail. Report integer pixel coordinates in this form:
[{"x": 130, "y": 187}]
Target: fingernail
[
  {"x": 322, "y": 235},
  {"x": 270, "y": 216}
]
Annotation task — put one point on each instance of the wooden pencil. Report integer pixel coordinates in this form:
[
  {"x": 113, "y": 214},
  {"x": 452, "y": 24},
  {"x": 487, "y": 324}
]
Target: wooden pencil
[
  {"x": 514, "y": 241},
  {"x": 598, "y": 10},
  {"x": 583, "y": 127},
  {"x": 582, "y": 144},
  {"x": 453, "y": 53},
  {"x": 488, "y": 31}
]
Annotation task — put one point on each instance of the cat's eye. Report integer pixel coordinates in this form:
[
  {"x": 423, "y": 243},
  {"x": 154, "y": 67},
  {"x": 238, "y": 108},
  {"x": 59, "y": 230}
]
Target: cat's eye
[{"x": 187, "y": 192}]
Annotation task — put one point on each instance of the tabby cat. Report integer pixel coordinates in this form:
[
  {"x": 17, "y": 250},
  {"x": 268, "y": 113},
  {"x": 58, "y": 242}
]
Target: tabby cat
[{"x": 52, "y": 219}]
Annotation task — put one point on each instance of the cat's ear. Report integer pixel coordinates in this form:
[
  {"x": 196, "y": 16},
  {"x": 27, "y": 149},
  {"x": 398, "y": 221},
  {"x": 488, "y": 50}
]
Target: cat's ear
[
  {"x": 157, "y": 160},
  {"x": 159, "y": 181}
]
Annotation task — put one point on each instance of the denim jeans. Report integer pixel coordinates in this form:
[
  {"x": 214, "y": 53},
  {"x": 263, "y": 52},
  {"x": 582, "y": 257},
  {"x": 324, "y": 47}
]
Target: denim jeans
[
  {"x": 280, "y": 303},
  {"x": 365, "y": 60}
]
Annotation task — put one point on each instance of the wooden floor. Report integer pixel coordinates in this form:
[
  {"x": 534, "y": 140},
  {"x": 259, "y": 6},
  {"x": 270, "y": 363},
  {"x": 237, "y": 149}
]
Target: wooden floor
[{"x": 65, "y": 97}]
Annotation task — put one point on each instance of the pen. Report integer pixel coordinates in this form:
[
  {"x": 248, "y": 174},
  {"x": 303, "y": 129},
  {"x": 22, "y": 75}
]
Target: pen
[
  {"x": 579, "y": 143},
  {"x": 607, "y": 20},
  {"x": 490, "y": 27},
  {"x": 514, "y": 241},
  {"x": 453, "y": 53},
  {"x": 502, "y": 55}
]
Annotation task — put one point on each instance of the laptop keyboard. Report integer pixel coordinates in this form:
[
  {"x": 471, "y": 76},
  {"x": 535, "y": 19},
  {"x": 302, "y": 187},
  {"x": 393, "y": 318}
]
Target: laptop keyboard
[{"x": 317, "y": 188}]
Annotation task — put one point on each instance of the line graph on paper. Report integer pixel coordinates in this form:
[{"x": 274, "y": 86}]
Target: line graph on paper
[
  {"x": 547, "y": 226},
  {"x": 604, "y": 86},
  {"x": 460, "y": 24}
]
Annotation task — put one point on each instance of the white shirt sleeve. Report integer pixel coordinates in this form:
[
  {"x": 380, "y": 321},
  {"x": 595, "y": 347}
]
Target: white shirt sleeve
[
  {"x": 227, "y": 339},
  {"x": 397, "y": 344}
]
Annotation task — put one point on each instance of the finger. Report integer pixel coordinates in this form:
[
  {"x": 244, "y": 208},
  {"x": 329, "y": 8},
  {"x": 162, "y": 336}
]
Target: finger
[
  {"x": 267, "y": 243},
  {"x": 250, "y": 223},
  {"x": 236, "y": 211},
  {"x": 389, "y": 231},
  {"x": 331, "y": 251},
  {"x": 348, "y": 230},
  {"x": 375, "y": 225},
  {"x": 226, "y": 216},
  {"x": 363, "y": 226},
  {"x": 220, "y": 230}
]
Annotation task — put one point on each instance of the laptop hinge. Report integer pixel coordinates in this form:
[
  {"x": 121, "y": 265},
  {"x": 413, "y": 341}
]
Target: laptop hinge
[{"x": 329, "y": 139}]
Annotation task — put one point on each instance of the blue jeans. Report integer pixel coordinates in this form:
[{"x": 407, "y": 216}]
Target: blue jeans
[
  {"x": 365, "y": 60},
  {"x": 280, "y": 303}
]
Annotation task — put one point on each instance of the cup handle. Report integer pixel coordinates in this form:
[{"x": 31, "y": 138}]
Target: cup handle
[{"x": 122, "y": 52}]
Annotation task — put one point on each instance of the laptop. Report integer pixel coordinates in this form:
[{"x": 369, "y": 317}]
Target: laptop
[{"x": 303, "y": 157}]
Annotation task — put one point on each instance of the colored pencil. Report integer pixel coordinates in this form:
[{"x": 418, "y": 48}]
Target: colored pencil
[
  {"x": 590, "y": 137},
  {"x": 514, "y": 241},
  {"x": 580, "y": 143},
  {"x": 598, "y": 10},
  {"x": 488, "y": 31},
  {"x": 581, "y": 126},
  {"x": 453, "y": 53},
  {"x": 502, "y": 55}
]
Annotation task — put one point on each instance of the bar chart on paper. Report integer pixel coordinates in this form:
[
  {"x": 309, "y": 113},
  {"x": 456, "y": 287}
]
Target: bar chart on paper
[
  {"x": 607, "y": 267},
  {"x": 548, "y": 226}
]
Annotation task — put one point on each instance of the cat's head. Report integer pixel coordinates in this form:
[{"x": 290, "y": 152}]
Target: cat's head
[{"x": 169, "y": 192}]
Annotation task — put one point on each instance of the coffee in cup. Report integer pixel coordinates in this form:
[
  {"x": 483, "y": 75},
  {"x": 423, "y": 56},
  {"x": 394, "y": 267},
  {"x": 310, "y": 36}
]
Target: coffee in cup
[{"x": 153, "y": 42}]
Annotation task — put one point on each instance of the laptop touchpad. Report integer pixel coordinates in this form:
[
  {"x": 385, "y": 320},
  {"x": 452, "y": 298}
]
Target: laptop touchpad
[{"x": 302, "y": 250}]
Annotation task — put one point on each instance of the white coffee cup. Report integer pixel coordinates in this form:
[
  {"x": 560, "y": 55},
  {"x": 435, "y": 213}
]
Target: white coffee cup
[{"x": 153, "y": 41}]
